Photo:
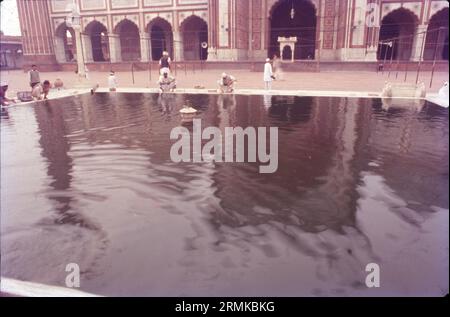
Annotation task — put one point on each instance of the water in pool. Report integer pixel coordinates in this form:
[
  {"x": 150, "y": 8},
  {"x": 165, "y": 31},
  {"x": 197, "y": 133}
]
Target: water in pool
[{"x": 89, "y": 180}]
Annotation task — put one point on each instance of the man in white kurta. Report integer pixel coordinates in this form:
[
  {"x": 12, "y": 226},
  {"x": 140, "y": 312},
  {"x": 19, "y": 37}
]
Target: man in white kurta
[{"x": 268, "y": 75}]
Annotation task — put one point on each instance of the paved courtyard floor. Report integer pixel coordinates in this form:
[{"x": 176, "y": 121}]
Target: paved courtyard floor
[{"x": 370, "y": 82}]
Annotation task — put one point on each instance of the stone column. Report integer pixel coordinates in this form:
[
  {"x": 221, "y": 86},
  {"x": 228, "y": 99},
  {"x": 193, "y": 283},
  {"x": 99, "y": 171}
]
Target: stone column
[
  {"x": 293, "y": 52},
  {"x": 145, "y": 45},
  {"x": 372, "y": 44},
  {"x": 418, "y": 43},
  {"x": 178, "y": 46},
  {"x": 87, "y": 48},
  {"x": 60, "y": 52},
  {"x": 80, "y": 55},
  {"x": 114, "y": 48}
]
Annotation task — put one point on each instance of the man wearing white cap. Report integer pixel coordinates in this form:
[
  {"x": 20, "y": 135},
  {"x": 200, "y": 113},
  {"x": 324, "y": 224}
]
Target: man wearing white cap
[
  {"x": 226, "y": 83},
  {"x": 164, "y": 63},
  {"x": 4, "y": 100},
  {"x": 167, "y": 83},
  {"x": 268, "y": 75}
]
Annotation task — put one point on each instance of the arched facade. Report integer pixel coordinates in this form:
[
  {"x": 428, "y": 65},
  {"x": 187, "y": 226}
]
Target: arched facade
[
  {"x": 65, "y": 44},
  {"x": 399, "y": 28},
  {"x": 160, "y": 37},
  {"x": 294, "y": 19},
  {"x": 234, "y": 30},
  {"x": 96, "y": 35},
  {"x": 129, "y": 39},
  {"x": 194, "y": 32},
  {"x": 436, "y": 46}
]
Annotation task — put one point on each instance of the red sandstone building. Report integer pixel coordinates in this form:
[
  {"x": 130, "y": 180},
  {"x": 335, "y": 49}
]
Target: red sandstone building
[{"x": 124, "y": 31}]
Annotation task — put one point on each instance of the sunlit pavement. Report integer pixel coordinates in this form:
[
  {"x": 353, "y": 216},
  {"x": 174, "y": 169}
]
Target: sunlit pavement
[{"x": 367, "y": 82}]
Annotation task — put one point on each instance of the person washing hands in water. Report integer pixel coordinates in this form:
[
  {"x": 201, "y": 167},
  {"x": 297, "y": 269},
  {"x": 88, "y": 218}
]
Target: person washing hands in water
[
  {"x": 226, "y": 83},
  {"x": 4, "y": 100}
]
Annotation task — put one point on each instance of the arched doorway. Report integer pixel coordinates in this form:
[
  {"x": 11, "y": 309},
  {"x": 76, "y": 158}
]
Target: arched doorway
[
  {"x": 161, "y": 38},
  {"x": 65, "y": 44},
  {"x": 437, "y": 37},
  {"x": 287, "y": 53},
  {"x": 398, "y": 27},
  {"x": 98, "y": 34},
  {"x": 297, "y": 18},
  {"x": 194, "y": 32},
  {"x": 130, "y": 43}
]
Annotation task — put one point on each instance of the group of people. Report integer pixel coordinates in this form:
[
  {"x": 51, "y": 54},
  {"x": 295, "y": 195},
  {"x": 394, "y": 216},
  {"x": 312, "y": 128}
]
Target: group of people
[
  {"x": 39, "y": 90},
  {"x": 166, "y": 81},
  {"x": 226, "y": 82}
]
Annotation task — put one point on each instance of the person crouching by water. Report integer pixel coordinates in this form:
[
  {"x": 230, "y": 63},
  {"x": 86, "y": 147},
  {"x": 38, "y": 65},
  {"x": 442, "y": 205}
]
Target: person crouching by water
[
  {"x": 4, "y": 100},
  {"x": 226, "y": 83},
  {"x": 112, "y": 81},
  {"x": 164, "y": 64},
  {"x": 41, "y": 89},
  {"x": 36, "y": 93},
  {"x": 46, "y": 88},
  {"x": 166, "y": 83}
]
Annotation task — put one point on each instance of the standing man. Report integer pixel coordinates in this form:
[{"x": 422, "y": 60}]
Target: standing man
[
  {"x": 268, "y": 75},
  {"x": 112, "y": 81},
  {"x": 164, "y": 64},
  {"x": 34, "y": 76}
]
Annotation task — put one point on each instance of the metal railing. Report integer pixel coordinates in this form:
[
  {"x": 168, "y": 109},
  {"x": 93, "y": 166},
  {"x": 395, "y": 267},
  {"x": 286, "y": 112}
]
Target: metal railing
[{"x": 393, "y": 62}]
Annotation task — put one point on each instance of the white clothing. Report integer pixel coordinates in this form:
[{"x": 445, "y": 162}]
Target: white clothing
[
  {"x": 112, "y": 82},
  {"x": 268, "y": 73},
  {"x": 164, "y": 70}
]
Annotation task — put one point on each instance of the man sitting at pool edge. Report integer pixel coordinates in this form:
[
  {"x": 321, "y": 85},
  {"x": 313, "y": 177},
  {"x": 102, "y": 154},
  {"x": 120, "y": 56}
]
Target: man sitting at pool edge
[
  {"x": 226, "y": 83},
  {"x": 166, "y": 83}
]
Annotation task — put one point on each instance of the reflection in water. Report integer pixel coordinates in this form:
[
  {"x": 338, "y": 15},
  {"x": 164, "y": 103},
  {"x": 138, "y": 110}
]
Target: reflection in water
[
  {"x": 65, "y": 227},
  {"x": 223, "y": 228},
  {"x": 167, "y": 103},
  {"x": 4, "y": 114},
  {"x": 267, "y": 101}
]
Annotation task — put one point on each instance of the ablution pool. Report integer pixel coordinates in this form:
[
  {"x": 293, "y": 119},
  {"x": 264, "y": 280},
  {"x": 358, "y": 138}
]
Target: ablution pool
[{"x": 89, "y": 180}]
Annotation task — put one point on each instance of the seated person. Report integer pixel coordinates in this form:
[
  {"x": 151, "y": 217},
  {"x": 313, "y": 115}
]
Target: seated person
[
  {"x": 226, "y": 83},
  {"x": 166, "y": 83},
  {"x": 4, "y": 100}
]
